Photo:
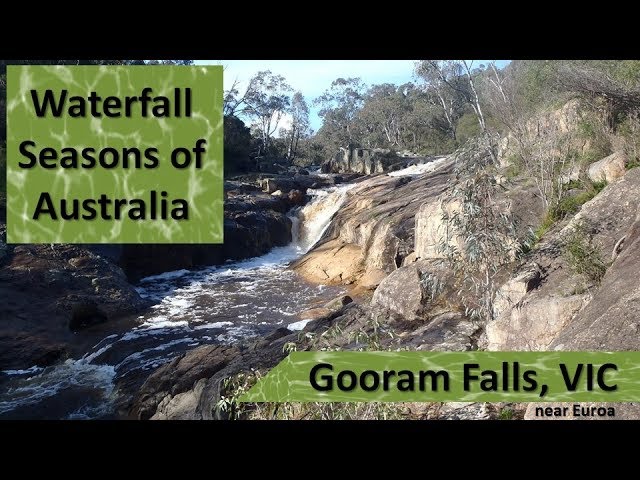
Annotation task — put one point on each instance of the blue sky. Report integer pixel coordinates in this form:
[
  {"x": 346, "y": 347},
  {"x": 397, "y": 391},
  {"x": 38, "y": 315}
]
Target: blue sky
[{"x": 312, "y": 77}]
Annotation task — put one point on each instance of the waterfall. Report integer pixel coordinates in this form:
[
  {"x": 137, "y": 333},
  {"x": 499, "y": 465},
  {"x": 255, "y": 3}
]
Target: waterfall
[{"x": 314, "y": 218}]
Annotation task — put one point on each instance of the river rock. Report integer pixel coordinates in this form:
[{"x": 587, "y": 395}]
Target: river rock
[
  {"x": 240, "y": 187},
  {"x": 609, "y": 169},
  {"x": 49, "y": 294},
  {"x": 314, "y": 313},
  {"x": 514, "y": 290},
  {"x": 298, "y": 170},
  {"x": 446, "y": 332},
  {"x": 332, "y": 306},
  {"x": 371, "y": 279},
  {"x": 24, "y": 349},
  {"x": 280, "y": 184},
  {"x": 180, "y": 375},
  {"x": 85, "y": 314},
  {"x": 338, "y": 303},
  {"x": 410, "y": 291},
  {"x": 534, "y": 323},
  {"x": 367, "y": 161},
  {"x": 295, "y": 197},
  {"x": 286, "y": 183},
  {"x": 332, "y": 263},
  {"x": 401, "y": 292}
]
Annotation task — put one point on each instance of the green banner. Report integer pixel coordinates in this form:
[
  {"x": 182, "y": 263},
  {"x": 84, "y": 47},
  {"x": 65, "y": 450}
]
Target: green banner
[
  {"x": 114, "y": 154},
  {"x": 451, "y": 376}
]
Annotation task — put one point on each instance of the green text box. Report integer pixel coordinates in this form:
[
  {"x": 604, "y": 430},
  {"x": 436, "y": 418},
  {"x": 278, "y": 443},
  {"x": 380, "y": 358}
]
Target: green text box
[
  {"x": 290, "y": 380},
  {"x": 201, "y": 188}
]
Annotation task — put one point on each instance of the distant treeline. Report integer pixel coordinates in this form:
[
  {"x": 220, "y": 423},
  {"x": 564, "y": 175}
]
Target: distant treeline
[{"x": 448, "y": 103}]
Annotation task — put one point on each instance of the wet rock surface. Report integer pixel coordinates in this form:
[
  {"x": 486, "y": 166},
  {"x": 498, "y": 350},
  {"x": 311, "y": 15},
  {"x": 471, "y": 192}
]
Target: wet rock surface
[{"x": 52, "y": 295}]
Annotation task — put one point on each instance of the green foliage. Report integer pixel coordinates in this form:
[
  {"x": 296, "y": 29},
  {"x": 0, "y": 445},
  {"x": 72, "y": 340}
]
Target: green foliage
[
  {"x": 583, "y": 256},
  {"x": 528, "y": 243},
  {"x": 629, "y": 130},
  {"x": 586, "y": 128},
  {"x": 627, "y": 71},
  {"x": 514, "y": 167},
  {"x": 267, "y": 99},
  {"x": 599, "y": 143},
  {"x": 506, "y": 414},
  {"x": 547, "y": 222},
  {"x": 468, "y": 127},
  {"x": 299, "y": 128},
  {"x": 633, "y": 164},
  {"x": 480, "y": 234},
  {"x": 596, "y": 187},
  {"x": 572, "y": 204},
  {"x": 534, "y": 84},
  {"x": 432, "y": 284},
  {"x": 234, "y": 387},
  {"x": 569, "y": 204}
]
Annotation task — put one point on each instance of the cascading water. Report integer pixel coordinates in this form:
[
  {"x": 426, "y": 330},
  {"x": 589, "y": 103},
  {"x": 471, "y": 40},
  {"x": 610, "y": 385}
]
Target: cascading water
[{"x": 222, "y": 304}]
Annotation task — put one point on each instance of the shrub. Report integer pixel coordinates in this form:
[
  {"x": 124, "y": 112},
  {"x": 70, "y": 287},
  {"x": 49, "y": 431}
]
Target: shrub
[
  {"x": 633, "y": 164},
  {"x": 506, "y": 414},
  {"x": 569, "y": 205},
  {"x": 629, "y": 131},
  {"x": 468, "y": 127},
  {"x": 583, "y": 256},
  {"x": 514, "y": 167},
  {"x": 546, "y": 225},
  {"x": 237, "y": 385}
]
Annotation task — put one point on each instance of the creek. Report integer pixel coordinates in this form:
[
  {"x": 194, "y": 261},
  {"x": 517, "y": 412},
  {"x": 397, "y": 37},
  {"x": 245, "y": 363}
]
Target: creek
[{"x": 223, "y": 304}]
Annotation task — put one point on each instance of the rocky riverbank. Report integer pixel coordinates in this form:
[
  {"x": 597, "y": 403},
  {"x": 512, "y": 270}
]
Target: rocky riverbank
[
  {"x": 53, "y": 296},
  {"x": 62, "y": 299}
]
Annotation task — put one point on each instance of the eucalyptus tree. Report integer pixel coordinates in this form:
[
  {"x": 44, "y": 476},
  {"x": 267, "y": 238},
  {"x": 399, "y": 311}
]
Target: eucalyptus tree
[
  {"x": 299, "y": 113},
  {"x": 339, "y": 107},
  {"x": 267, "y": 100}
]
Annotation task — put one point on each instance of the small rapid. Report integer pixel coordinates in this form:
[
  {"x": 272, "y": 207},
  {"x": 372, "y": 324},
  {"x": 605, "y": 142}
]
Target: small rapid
[{"x": 222, "y": 304}]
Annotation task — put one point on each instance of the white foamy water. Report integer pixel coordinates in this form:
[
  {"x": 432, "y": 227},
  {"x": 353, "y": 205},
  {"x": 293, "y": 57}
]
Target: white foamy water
[
  {"x": 221, "y": 304},
  {"x": 296, "y": 326},
  {"x": 74, "y": 376},
  {"x": 420, "y": 169}
]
